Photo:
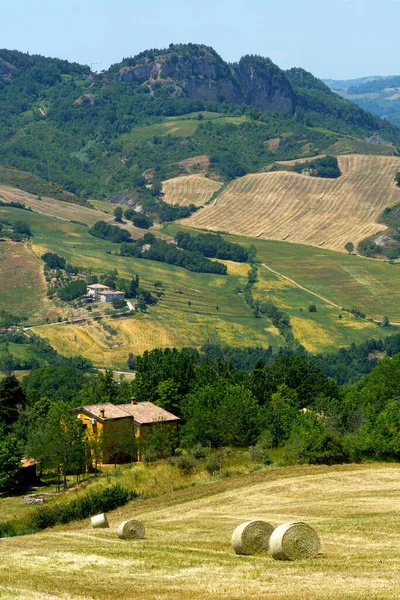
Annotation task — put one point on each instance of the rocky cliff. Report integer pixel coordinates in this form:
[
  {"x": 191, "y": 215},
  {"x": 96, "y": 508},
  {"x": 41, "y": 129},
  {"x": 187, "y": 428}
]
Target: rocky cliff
[{"x": 199, "y": 72}]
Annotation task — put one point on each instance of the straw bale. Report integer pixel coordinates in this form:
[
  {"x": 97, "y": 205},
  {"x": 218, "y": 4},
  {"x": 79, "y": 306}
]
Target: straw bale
[
  {"x": 252, "y": 537},
  {"x": 294, "y": 541},
  {"x": 130, "y": 530}
]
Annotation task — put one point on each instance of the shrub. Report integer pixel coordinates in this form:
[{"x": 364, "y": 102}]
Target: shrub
[
  {"x": 198, "y": 451},
  {"x": 215, "y": 463},
  {"x": 259, "y": 455},
  {"x": 185, "y": 463}
]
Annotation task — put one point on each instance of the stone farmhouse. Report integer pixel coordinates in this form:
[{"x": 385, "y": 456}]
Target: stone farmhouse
[{"x": 104, "y": 293}]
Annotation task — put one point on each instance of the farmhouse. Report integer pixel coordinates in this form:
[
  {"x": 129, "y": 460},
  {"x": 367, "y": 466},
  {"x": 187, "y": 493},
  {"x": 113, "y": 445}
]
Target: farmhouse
[
  {"x": 104, "y": 293},
  {"x": 96, "y": 288},
  {"x": 110, "y": 419},
  {"x": 111, "y": 295}
]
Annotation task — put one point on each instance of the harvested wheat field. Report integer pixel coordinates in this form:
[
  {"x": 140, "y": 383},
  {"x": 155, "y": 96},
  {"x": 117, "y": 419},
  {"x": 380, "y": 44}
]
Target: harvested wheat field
[
  {"x": 189, "y": 189},
  {"x": 307, "y": 210},
  {"x": 187, "y": 553}
]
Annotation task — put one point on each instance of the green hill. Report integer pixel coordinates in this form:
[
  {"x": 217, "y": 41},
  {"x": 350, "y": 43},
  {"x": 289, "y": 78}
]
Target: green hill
[
  {"x": 96, "y": 134},
  {"x": 378, "y": 95}
]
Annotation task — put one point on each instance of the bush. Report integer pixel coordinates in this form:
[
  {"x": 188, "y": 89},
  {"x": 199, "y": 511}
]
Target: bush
[
  {"x": 215, "y": 463},
  {"x": 185, "y": 463},
  {"x": 198, "y": 452},
  {"x": 259, "y": 455}
]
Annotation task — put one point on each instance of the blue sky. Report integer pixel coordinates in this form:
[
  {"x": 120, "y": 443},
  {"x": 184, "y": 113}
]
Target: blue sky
[{"x": 331, "y": 38}]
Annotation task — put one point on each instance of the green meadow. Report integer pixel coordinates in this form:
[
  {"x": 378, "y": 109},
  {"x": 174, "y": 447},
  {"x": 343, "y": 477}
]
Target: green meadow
[{"x": 196, "y": 307}]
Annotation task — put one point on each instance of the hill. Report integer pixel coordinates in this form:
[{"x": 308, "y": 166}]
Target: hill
[
  {"x": 96, "y": 134},
  {"x": 307, "y": 210},
  {"x": 192, "y": 308},
  {"x": 187, "y": 545},
  {"x": 378, "y": 95}
]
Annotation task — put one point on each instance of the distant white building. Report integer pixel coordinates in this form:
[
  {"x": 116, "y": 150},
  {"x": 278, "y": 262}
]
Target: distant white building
[
  {"x": 96, "y": 289},
  {"x": 110, "y": 296}
]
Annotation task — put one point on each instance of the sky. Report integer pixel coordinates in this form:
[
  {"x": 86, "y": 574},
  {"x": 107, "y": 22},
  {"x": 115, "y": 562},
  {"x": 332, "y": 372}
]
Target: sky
[{"x": 335, "y": 39}]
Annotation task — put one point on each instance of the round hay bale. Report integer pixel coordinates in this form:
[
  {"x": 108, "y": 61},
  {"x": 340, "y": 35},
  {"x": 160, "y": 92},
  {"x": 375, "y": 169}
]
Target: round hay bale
[
  {"x": 294, "y": 541},
  {"x": 99, "y": 521},
  {"x": 131, "y": 530},
  {"x": 252, "y": 537}
]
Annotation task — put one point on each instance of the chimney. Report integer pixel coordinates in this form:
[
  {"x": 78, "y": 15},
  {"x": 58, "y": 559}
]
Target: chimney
[
  {"x": 133, "y": 400},
  {"x": 102, "y": 413}
]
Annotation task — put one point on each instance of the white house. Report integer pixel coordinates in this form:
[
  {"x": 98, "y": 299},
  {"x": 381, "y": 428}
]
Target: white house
[
  {"x": 110, "y": 296},
  {"x": 95, "y": 289}
]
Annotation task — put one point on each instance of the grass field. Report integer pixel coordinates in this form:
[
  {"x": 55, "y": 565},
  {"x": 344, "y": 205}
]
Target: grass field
[
  {"x": 198, "y": 307},
  {"x": 184, "y": 126},
  {"x": 349, "y": 281},
  {"x": 189, "y": 189},
  {"x": 22, "y": 285},
  {"x": 307, "y": 210},
  {"x": 187, "y": 552}
]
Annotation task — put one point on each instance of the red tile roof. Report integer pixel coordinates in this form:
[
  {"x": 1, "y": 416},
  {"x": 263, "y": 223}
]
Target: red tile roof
[
  {"x": 147, "y": 412},
  {"x": 143, "y": 413}
]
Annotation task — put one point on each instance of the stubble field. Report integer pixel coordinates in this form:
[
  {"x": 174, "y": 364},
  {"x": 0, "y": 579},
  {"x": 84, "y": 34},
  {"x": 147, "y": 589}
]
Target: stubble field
[
  {"x": 187, "y": 553},
  {"x": 307, "y": 210}
]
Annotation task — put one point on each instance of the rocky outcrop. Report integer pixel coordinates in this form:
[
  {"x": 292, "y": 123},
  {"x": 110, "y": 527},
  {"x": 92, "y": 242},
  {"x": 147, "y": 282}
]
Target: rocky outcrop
[
  {"x": 264, "y": 85},
  {"x": 199, "y": 72}
]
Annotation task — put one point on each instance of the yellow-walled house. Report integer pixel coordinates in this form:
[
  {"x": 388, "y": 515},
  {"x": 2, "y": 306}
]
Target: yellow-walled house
[{"x": 106, "y": 420}]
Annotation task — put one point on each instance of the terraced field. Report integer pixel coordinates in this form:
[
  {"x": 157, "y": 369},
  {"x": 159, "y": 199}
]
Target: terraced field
[
  {"x": 307, "y": 210},
  {"x": 189, "y": 189}
]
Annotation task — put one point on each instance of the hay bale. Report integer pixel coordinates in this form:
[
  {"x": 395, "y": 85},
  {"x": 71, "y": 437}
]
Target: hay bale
[
  {"x": 131, "y": 530},
  {"x": 252, "y": 537},
  {"x": 294, "y": 541},
  {"x": 99, "y": 521}
]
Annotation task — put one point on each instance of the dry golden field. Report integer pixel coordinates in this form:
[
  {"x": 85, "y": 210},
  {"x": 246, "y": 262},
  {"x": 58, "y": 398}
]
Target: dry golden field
[
  {"x": 55, "y": 208},
  {"x": 307, "y": 210},
  {"x": 189, "y": 189},
  {"x": 187, "y": 552}
]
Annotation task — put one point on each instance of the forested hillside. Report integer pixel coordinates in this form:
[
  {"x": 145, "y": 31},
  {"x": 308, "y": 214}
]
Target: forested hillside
[
  {"x": 379, "y": 95},
  {"x": 98, "y": 133}
]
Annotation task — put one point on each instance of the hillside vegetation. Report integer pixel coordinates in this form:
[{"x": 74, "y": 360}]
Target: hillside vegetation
[
  {"x": 97, "y": 134},
  {"x": 307, "y": 210},
  {"x": 187, "y": 545}
]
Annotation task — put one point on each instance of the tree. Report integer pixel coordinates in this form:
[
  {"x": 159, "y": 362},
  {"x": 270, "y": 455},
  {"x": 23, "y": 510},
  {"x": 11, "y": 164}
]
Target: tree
[
  {"x": 10, "y": 459},
  {"x": 53, "y": 261},
  {"x": 312, "y": 308},
  {"x": 22, "y": 228},
  {"x": 349, "y": 247},
  {"x": 56, "y": 382},
  {"x": 133, "y": 287},
  {"x": 58, "y": 441},
  {"x": 280, "y": 414},
  {"x": 397, "y": 178},
  {"x": 120, "y": 441},
  {"x": 131, "y": 361},
  {"x": 12, "y": 399},
  {"x": 385, "y": 321},
  {"x": 118, "y": 212}
]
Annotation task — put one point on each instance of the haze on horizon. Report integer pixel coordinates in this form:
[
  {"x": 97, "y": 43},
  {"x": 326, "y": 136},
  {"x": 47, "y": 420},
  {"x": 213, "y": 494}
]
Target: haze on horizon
[{"x": 339, "y": 39}]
